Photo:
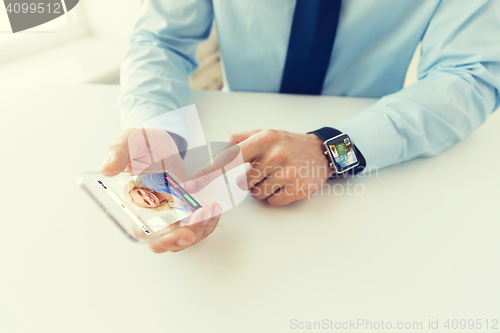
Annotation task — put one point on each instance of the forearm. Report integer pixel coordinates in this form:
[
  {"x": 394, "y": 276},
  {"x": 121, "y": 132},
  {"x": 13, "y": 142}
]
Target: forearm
[
  {"x": 421, "y": 120},
  {"x": 458, "y": 89},
  {"x": 161, "y": 56}
]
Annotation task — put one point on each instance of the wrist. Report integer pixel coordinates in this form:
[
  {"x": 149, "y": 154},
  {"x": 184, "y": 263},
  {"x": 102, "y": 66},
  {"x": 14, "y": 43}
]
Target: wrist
[
  {"x": 319, "y": 149},
  {"x": 316, "y": 143}
]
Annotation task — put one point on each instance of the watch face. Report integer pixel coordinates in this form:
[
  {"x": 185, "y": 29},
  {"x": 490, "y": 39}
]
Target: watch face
[
  {"x": 343, "y": 154},
  {"x": 333, "y": 149}
]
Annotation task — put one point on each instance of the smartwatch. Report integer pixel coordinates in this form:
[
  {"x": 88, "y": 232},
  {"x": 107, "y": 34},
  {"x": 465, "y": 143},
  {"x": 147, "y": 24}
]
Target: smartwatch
[{"x": 342, "y": 154}]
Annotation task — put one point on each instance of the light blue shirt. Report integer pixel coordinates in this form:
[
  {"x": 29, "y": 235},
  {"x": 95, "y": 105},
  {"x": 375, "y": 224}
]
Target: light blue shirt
[{"x": 459, "y": 70}]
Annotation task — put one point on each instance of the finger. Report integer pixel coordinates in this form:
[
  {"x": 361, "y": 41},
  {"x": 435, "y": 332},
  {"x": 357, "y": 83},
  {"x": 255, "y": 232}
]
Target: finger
[
  {"x": 213, "y": 222},
  {"x": 116, "y": 162},
  {"x": 248, "y": 179},
  {"x": 201, "y": 178},
  {"x": 207, "y": 231},
  {"x": 194, "y": 218},
  {"x": 259, "y": 170},
  {"x": 249, "y": 150},
  {"x": 219, "y": 147},
  {"x": 198, "y": 229},
  {"x": 116, "y": 156},
  {"x": 242, "y": 136},
  {"x": 211, "y": 225},
  {"x": 222, "y": 162},
  {"x": 262, "y": 167},
  {"x": 176, "y": 240},
  {"x": 202, "y": 215},
  {"x": 285, "y": 195},
  {"x": 267, "y": 187},
  {"x": 251, "y": 147},
  {"x": 197, "y": 226},
  {"x": 182, "y": 237}
]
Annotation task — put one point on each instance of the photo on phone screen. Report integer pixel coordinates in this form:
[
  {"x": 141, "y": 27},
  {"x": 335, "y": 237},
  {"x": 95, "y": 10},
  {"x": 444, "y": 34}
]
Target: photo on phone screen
[{"x": 153, "y": 201}]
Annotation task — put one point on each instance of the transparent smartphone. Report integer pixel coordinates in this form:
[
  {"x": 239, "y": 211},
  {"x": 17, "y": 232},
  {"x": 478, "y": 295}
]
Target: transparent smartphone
[
  {"x": 142, "y": 206},
  {"x": 147, "y": 206}
]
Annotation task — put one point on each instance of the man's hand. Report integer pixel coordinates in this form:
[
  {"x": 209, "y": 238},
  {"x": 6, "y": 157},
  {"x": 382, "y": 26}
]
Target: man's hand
[
  {"x": 202, "y": 223},
  {"x": 285, "y": 166},
  {"x": 139, "y": 149}
]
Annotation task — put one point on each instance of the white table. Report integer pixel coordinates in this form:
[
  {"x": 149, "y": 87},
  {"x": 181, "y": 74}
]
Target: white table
[{"x": 421, "y": 243}]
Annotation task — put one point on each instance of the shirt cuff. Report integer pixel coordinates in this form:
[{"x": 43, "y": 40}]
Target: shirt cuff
[{"x": 375, "y": 136}]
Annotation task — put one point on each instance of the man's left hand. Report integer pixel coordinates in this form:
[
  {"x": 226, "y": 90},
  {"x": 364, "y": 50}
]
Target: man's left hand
[{"x": 285, "y": 166}]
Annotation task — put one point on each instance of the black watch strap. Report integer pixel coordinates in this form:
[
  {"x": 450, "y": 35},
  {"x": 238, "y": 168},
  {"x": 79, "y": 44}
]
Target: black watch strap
[{"x": 327, "y": 133}]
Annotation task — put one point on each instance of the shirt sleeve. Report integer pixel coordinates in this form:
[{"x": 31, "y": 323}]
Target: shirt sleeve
[
  {"x": 458, "y": 88},
  {"x": 161, "y": 56}
]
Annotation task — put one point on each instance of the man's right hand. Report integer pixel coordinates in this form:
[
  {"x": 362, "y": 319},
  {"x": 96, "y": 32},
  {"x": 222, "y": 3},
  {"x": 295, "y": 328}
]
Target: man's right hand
[{"x": 141, "y": 148}]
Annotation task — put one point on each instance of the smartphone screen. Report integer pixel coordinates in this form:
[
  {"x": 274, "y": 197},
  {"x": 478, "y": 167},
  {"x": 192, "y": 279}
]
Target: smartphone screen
[
  {"x": 152, "y": 201},
  {"x": 146, "y": 206}
]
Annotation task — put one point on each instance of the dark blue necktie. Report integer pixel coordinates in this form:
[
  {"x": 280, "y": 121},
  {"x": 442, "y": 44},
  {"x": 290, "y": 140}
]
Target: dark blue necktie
[{"x": 310, "y": 47}]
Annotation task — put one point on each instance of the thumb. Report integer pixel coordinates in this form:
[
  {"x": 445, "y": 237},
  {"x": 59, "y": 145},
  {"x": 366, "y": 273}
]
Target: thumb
[
  {"x": 114, "y": 162},
  {"x": 116, "y": 156},
  {"x": 242, "y": 136}
]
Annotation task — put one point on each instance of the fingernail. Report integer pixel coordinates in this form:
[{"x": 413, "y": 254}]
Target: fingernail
[
  {"x": 216, "y": 211},
  {"x": 183, "y": 242}
]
